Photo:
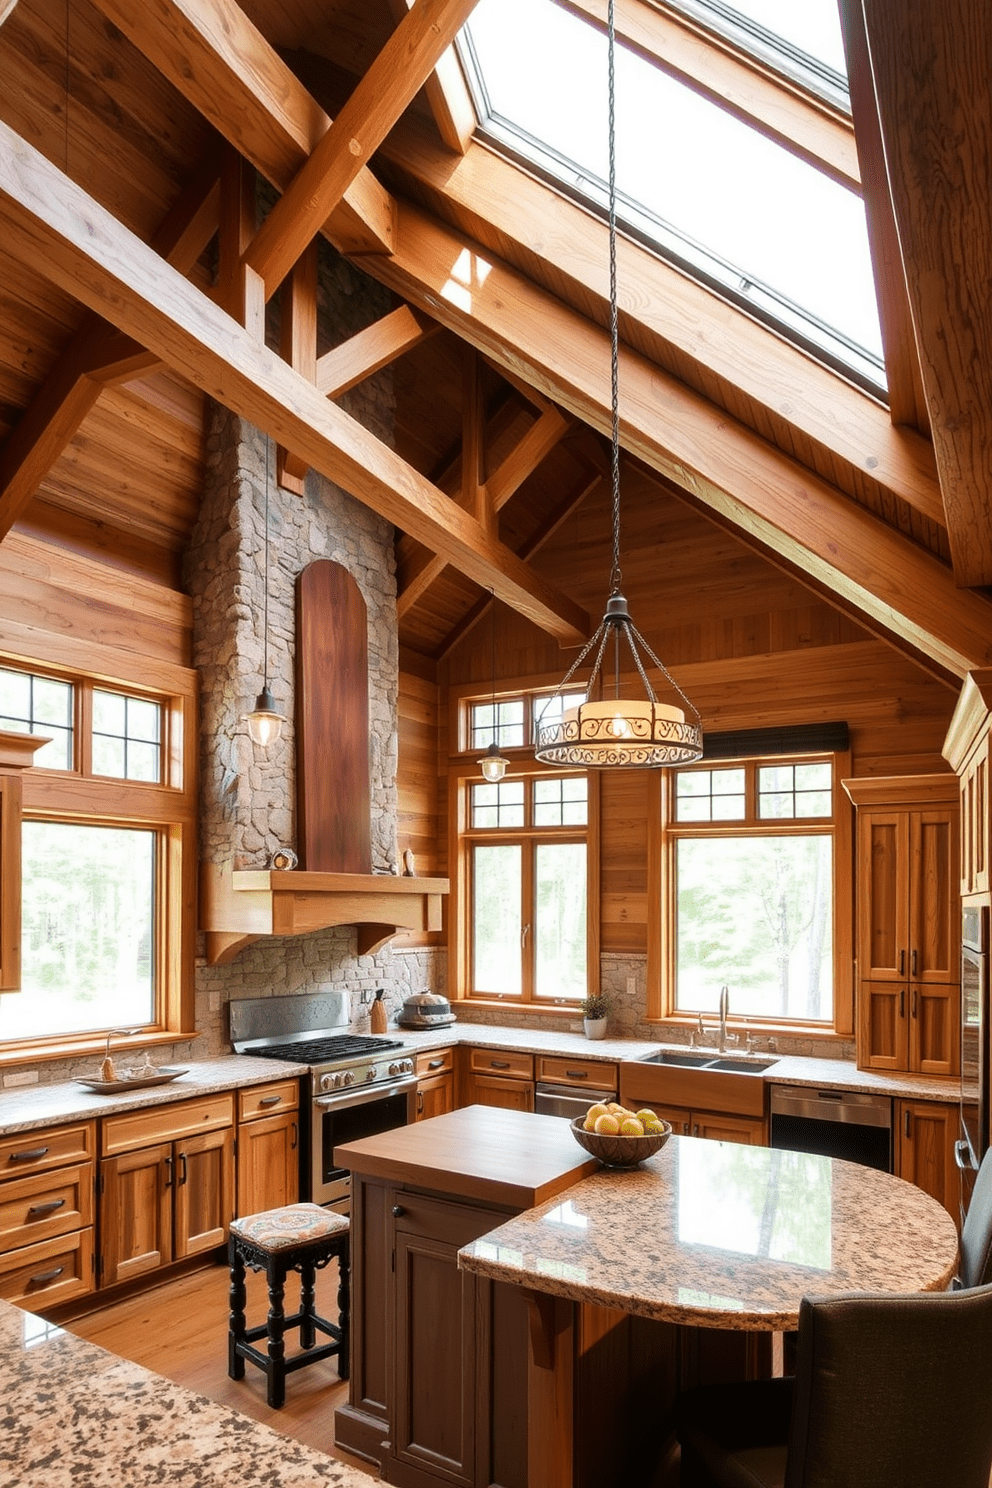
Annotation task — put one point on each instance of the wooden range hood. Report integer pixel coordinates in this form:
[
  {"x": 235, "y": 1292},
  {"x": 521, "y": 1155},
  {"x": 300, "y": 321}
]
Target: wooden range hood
[{"x": 335, "y": 884}]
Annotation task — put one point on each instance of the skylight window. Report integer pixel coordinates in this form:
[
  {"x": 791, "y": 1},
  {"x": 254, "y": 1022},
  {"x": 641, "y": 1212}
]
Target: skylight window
[
  {"x": 696, "y": 184},
  {"x": 799, "y": 37}
]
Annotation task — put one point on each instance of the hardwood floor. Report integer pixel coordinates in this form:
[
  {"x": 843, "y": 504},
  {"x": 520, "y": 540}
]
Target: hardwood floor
[{"x": 180, "y": 1331}]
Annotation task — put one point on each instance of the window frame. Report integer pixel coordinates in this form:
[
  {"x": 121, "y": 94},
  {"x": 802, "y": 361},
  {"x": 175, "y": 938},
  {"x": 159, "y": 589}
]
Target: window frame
[
  {"x": 168, "y": 808},
  {"x": 662, "y": 942}
]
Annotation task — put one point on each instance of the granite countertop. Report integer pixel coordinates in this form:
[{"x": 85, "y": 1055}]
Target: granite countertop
[
  {"x": 78, "y": 1417},
  {"x": 722, "y": 1235}
]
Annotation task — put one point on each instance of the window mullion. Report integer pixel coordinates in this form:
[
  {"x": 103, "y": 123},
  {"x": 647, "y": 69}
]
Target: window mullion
[{"x": 528, "y": 919}]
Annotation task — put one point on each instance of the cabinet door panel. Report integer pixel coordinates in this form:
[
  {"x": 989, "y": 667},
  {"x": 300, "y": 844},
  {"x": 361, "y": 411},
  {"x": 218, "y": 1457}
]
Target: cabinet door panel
[
  {"x": 45, "y": 1205},
  {"x": 925, "y": 1149},
  {"x": 204, "y": 1192},
  {"x": 136, "y": 1213},
  {"x": 268, "y": 1163},
  {"x": 42, "y": 1276},
  {"x": 883, "y": 1009},
  {"x": 934, "y": 1029},
  {"x": 883, "y": 866},
  {"x": 746, "y": 1130},
  {"x": 935, "y": 931},
  {"x": 678, "y": 1116},
  {"x": 435, "y": 1097},
  {"x": 500, "y": 1090}
]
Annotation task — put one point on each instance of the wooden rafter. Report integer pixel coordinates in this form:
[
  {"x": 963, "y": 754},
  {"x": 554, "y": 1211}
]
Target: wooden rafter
[
  {"x": 371, "y": 349},
  {"x": 930, "y": 63},
  {"x": 50, "y": 222},
  {"x": 400, "y": 70},
  {"x": 902, "y": 362},
  {"x": 98, "y": 356},
  {"x": 447, "y": 93},
  {"x": 298, "y": 343},
  {"x": 762, "y": 98},
  {"x": 213, "y": 54}
]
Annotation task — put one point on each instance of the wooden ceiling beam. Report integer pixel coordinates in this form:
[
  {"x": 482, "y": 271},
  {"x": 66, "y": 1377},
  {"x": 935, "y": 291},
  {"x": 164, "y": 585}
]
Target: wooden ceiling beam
[
  {"x": 391, "y": 83},
  {"x": 98, "y": 356},
  {"x": 447, "y": 94},
  {"x": 216, "y": 58},
  {"x": 49, "y": 221},
  {"x": 728, "y": 467},
  {"x": 907, "y": 404},
  {"x": 298, "y": 345},
  {"x": 659, "y": 302},
  {"x": 370, "y": 350},
  {"x": 805, "y": 125},
  {"x": 931, "y": 64}
]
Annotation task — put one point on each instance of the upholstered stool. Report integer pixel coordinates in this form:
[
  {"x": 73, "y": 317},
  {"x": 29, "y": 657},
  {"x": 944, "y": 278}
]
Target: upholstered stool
[{"x": 303, "y": 1238}]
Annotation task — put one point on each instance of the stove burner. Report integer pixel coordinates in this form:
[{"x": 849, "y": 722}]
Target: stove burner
[{"x": 312, "y": 1051}]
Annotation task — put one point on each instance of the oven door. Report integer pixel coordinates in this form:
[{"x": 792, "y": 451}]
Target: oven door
[{"x": 345, "y": 1117}]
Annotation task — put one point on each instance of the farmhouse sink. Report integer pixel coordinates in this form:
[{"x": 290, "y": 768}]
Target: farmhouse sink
[
  {"x": 672, "y": 1056},
  {"x": 743, "y": 1064},
  {"x": 696, "y": 1080}
]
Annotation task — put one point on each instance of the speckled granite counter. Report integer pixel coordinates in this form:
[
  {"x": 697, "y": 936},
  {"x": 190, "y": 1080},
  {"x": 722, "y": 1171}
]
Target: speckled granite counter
[
  {"x": 75, "y": 1416},
  {"x": 721, "y": 1235}
]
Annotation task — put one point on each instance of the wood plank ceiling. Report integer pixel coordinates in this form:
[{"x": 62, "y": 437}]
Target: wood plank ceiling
[{"x": 501, "y": 389}]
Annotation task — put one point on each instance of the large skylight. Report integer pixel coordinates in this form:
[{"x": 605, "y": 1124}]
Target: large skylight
[
  {"x": 732, "y": 207},
  {"x": 800, "y": 37}
]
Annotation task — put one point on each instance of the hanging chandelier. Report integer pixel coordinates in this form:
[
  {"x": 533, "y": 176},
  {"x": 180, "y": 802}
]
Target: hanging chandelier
[{"x": 618, "y": 733}]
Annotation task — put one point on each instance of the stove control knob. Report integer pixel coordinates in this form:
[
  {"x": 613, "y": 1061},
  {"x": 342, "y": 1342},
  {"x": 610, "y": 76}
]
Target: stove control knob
[
  {"x": 347, "y": 1078},
  {"x": 401, "y": 1067},
  {"x": 371, "y": 1073},
  {"x": 326, "y": 1081}
]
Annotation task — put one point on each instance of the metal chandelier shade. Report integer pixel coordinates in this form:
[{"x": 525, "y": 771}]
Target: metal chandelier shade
[{"x": 617, "y": 733}]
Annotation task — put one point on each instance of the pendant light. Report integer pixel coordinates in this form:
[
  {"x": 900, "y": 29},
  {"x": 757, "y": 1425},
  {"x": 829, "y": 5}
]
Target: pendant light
[
  {"x": 492, "y": 764},
  {"x": 620, "y": 732},
  {"x": 265, "y": 721}
]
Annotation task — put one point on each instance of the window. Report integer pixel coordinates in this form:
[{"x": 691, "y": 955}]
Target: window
[
  {"x": 524, "y": 854},
  {"x": 104, "y": 865},
  {"x": 752, "y": 871}
]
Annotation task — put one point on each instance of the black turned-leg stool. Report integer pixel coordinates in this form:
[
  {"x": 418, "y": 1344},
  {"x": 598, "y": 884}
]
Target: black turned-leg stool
[{"x": 303, "y": 1238}]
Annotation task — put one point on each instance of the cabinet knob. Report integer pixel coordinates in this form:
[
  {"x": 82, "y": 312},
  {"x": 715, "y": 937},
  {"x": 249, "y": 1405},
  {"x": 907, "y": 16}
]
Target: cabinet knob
[{"x": 398, "y": 1210}]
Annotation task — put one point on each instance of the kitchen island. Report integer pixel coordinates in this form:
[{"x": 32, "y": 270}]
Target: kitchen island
[{"x": 543, "y": 1328}]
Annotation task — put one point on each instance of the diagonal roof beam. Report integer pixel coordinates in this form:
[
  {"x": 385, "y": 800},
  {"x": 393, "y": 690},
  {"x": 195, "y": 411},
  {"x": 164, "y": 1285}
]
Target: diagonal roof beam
[
  {"x": 50, "y": 222},
  {"x": 369, "y": 350},
  {"x": 215, "y": 57},
  {"x": 97, "y": 356},
  {"x": 930, "y": 63},
  {"x": 447, "y": 94},
  {"x": 391, "y": 83}
]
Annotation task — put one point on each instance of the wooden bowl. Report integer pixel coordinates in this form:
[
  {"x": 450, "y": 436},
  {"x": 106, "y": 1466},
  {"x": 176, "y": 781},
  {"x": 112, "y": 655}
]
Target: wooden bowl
[{"x": 618, "y": 1151}]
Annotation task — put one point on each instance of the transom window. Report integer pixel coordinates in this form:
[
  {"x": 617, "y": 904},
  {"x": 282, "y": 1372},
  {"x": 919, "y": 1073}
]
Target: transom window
[
  {"x": 127, "y": 736},
  {"x": 31, "y": 704},
  {"x": 512, "y": 722}
]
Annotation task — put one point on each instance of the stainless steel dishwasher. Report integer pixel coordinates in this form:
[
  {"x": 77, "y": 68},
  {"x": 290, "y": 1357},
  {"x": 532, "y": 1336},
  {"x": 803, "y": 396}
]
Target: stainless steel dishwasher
[
  {"x": 834, "y": 1123},
  {"x": 568, "y": 1100}
]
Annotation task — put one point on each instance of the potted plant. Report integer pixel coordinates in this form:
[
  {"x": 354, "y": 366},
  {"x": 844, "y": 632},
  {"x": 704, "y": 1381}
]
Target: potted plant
[{"x": 594, "y": 1014}]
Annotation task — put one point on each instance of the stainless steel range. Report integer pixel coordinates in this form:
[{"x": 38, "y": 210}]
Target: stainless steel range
[{"x": 357, "y": 1085}]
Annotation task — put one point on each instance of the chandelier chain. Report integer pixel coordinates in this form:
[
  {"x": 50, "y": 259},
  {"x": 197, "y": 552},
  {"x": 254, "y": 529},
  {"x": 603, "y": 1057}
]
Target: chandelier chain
[{"x": 616, "y": 578}]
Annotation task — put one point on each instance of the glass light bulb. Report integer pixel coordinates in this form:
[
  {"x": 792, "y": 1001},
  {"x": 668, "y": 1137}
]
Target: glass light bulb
[
  {"x": 492, "y": 764},
  {"x": 265, "y": 721},
  {"x": 619, "y": 727}
]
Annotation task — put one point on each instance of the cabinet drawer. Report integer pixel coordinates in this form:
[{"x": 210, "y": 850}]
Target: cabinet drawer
[
  {"x": 48, "y": 1204},
  {"x": 437, "y": 1062},
  {"x": 592, "y": 1072},
  {"x": 505, "y": 1062},
  {"x": 127, "y": 1133},
  {"x": 267, "y": 1100},
  {"x": 50, "y": 1272},
  {"x": 50, "y": 1147}
]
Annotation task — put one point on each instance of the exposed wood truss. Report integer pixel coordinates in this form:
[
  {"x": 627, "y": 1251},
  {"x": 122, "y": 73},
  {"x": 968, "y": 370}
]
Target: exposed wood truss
[
  {"x": 369, "y": 350},
  {"x": 931, "y": 67},
  {"x": 447, "y": 94},
  {"x": 48, "y": 220}
]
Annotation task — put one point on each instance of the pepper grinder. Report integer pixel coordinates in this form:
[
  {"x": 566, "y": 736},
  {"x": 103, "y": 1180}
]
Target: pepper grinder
[{"x": 377, "y": 1017}]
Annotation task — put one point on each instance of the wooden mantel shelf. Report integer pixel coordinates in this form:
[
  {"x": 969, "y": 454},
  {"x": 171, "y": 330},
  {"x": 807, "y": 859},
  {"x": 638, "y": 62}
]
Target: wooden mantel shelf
[{"x": 242, "y": 905}]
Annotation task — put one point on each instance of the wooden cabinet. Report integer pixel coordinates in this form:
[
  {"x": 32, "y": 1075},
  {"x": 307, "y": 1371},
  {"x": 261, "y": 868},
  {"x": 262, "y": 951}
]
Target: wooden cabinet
[
  {"x": 925, "y": 1135},
  {"x": 166, "y": 1185},
  {"x": 17, "y": 752},
  {"x": 46, "y": 1215},
  {"x": 498, "y": 1077},
  {"x": 268, "y": 1147},
  {"x": 717, "y": 1126},
  {"x": 435, "y": 1083},
  {"x": 908, "y": 919},
  {"x": 595, "y": 1074},
  {"x": 966, "y": 749}
]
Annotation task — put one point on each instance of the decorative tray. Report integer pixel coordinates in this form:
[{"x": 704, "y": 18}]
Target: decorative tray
[{"x": 129, "y": 1081}]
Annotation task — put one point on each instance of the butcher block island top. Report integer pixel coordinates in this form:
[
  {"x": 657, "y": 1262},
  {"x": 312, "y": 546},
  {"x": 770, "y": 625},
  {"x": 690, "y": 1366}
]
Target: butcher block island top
[
  {"x": 715, "y": 1234},
  {"x": 507, "y": 1159}
]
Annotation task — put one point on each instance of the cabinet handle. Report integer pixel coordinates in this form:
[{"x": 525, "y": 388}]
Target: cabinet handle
[
  {"x": 398, "y": 1210},
  {"x": 182, "y": 1170},
  {"x": 499, "y": 1064},
  {"x": 47, "y": 1208},
  {"x": 915, "y": 1000},
  {"x": 902, "y": 963},
  {"x": 296, "y": 1138},
  {"x": 902, "y": 1003},
  {"x": 436, "y": 1064},
  {"x": 577, "y": 1074},
  {"x": 168, "y": 1172},
  {"x": 912, "y": 963},
  {"x": 420, "y": 1101},
  {"x": 34, "y": 1154},
  {"x": 270, "y": 1100},
  {"x": 906, "y": 1125},
  {"x": 44, "y": 1277},
  {"x": 695, "y": 1129}
]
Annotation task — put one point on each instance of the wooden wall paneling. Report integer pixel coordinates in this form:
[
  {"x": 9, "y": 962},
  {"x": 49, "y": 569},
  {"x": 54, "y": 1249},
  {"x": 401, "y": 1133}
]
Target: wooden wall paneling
[
  {"x": 624, "y": 835},
  {"x": 418, "y": 784}
]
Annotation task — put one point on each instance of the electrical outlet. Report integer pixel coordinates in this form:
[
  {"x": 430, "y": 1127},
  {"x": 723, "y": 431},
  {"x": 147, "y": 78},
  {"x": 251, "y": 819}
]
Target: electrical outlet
[{"x": 631, "y": 986}]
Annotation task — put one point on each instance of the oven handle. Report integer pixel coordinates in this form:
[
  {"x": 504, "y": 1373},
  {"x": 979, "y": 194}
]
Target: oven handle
[{"x": 361, "y": 1095}]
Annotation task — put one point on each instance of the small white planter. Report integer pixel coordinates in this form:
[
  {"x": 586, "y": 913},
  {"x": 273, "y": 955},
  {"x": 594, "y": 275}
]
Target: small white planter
[{"x": 595, "y": 1027}]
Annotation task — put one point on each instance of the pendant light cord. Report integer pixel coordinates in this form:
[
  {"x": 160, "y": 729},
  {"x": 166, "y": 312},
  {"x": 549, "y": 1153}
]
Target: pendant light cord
[
  {"x": 616, "y": 578},
  {"x": 265, "y": 590}
]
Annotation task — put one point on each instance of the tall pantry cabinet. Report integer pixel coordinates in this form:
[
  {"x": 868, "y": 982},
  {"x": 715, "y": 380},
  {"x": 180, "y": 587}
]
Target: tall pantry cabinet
[{"x": 908, "y": 923}]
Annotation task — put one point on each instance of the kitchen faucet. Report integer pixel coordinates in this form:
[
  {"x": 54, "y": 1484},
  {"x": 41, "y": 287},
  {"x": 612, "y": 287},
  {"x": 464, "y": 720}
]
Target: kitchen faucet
[{"x": 724, "y": 1010}]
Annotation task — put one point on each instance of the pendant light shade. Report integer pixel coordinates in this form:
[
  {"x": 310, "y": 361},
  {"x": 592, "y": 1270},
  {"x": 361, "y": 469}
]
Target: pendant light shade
[
  {"x": 621, "y": 733},
  {"x": 265, "y": 721}
]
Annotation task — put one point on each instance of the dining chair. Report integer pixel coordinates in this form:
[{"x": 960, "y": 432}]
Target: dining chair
[
  {"x": 976, "y": 1232},
  {"x": 890, "y": 1391}
]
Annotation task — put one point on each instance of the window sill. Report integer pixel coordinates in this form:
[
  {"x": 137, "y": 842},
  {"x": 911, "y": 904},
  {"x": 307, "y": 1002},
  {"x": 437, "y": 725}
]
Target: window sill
[
  {"x": 504, "y": 1005},
  {"x": 40, "y": 1051}
]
